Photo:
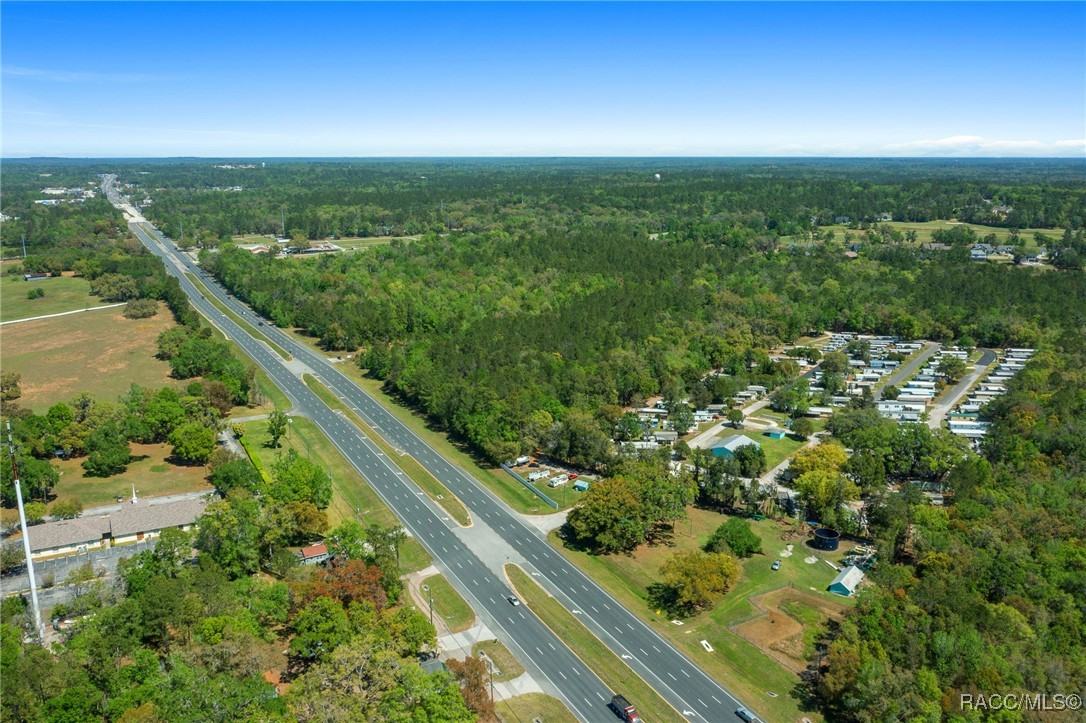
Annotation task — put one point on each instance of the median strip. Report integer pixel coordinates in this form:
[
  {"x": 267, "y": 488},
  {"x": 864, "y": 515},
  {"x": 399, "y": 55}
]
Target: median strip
[
  {"x": 249, "y": 328},
  {"x": 614, "y": 673},
  {"x": 418, "y": 474}
]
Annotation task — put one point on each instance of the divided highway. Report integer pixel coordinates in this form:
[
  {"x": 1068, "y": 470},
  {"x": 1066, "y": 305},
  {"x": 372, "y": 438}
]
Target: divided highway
[
  {"x": 678, "y": 680},
  {"x": 583, "y": 692}
]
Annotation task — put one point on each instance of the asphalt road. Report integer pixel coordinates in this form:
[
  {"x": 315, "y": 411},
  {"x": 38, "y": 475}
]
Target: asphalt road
[
  {"x": 678, "y": 680},
  {"x": 518, "y": 628},
  {"x": 938, "y": 412},
  {"x": 907, "y": 370}
]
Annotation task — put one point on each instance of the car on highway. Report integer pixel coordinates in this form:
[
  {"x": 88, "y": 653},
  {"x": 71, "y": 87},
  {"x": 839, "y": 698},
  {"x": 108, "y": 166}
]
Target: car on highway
[
  {"x": 514, "y": 600},
  {"x": 745, "y": 715},
  {"x": 776, "y": 565}
]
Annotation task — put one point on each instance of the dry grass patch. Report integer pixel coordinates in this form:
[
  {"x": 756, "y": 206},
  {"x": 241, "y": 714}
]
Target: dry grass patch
[
  {"x": 152, "y": 475},
  {"x": 99, "y": 352},
  {"x": 778, "y": 632}
]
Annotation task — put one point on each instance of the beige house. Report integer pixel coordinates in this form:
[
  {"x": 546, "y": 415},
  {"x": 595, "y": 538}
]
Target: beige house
[{"x": 136, "y": 522}]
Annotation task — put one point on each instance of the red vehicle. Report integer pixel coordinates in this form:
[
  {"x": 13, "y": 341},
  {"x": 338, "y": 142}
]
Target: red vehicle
[
  {"x": 574, "y": 476},
  {"x": 624, "y": 710}
]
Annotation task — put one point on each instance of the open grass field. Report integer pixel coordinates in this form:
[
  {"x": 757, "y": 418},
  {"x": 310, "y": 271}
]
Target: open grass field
[
  {"x": 66, "y": 293},
  {"x": 100, "y": 352},
  {"x": 426, "y": 481},
  {"x": 738, "y": 664},
  {"x": 448, "y": 605},
  {"x": 497, "y": 481},
  {"x": 531, "y": 707},
  {"x": 598, "y": 657},
  {"x": 150, "y": 472},
  {"x": 924, "y": 229},
  {"x": 506, "y": 666}
]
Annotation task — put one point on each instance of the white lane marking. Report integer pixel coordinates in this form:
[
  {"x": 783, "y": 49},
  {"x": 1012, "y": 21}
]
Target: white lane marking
[
  {"x": 718, "y": 700},
  {"x": 671, "y": 676},
  {"x": 683, "y": 671}
]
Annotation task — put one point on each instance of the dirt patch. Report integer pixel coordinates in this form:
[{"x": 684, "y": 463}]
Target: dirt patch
[{"x": 779, "y": 635}]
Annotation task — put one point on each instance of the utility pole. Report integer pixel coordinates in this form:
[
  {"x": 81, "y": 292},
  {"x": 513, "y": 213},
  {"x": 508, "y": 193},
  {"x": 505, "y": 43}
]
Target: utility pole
[
  {"x": 38, "y": 629},
  {"x": 490, "y": 667},
  {"x": 24, "y": 246},
  {"x": 430, "y": 594}
]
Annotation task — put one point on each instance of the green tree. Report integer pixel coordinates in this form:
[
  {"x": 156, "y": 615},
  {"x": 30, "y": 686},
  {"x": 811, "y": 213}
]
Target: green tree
[
  {"x": 296, "y": 478},
  {"x": 736, "y": 417},
  {"x": 319, "y": 628},
  {"x": 952, "y": 368},
  {"x": 235, "y": 473},
  {"x": 277, "y": 427},
  {"x": 35, "y": 512},
  {"x": 696, "y": 579},
  {"x": 193, "y": 443},
  {"x": 107, "y": 451},
  {"x": 824, "y": 492},
  {"x": 66, "y": 509},
  {"x": 229, "y": 534},
  {"x": 803, "y": 427},
  {"x": 735, "y": 535},
  {"x": 609, "y": 517},
  {"x": 681, "y": 418}
]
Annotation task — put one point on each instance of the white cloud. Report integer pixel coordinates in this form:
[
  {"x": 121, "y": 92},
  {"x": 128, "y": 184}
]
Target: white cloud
[{"x": 74, "y": 76}]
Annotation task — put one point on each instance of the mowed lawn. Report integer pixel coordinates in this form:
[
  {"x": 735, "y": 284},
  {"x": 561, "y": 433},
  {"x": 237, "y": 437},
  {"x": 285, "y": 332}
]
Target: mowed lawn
[
  {"x": 738, "y": 664},
  {"x": 100, "y": 352},
  {"x": 924, "y": 229},
  {"x": 66, "y": 293},
  {"x": 150, "y": 473}
]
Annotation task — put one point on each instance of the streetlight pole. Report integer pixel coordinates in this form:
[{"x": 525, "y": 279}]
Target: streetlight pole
[{"x": 430, "y": 594}]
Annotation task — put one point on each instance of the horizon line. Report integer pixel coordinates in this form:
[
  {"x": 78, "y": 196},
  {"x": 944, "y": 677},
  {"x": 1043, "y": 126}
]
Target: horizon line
[{"x": 1080, "y": 157}]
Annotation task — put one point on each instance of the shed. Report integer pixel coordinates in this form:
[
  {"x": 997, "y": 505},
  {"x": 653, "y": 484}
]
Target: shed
[
  {"x": 581, "y": 485},
  {"x": 847, "y": 581},
  {"x": 726, "y": 447},
  {"x": 776, "y": 433}
]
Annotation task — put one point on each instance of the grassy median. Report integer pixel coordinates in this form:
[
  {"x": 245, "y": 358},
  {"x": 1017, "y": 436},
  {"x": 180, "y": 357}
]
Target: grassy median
[
  {"x": 249, "y": 328},
  {"x": 448, "y": 604},
  {"x": 614, "y": 673},
  {"x": 418, "y": 474}
]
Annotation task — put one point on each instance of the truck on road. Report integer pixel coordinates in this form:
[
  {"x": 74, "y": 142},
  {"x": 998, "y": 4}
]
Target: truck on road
[{"x": 624, "y": 710}]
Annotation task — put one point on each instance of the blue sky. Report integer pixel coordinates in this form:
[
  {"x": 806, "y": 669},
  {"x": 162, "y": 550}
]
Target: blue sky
[{"x": 496, "y": 79}]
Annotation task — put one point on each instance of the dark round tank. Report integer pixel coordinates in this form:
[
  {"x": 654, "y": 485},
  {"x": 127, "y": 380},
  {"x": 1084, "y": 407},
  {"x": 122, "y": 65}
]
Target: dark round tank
[{"x": 826, "y": 539}]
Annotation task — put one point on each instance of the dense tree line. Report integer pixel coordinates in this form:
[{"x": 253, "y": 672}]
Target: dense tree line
[
  {"x": 524, "y": 343},
  {"x": 989, "y": 593}
]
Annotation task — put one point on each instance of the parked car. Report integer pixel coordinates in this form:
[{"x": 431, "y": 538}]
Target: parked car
[{"x": 776, "y": 565}]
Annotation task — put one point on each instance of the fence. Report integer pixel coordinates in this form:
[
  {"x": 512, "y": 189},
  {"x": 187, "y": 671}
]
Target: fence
[{"x": 529, "y": 485}]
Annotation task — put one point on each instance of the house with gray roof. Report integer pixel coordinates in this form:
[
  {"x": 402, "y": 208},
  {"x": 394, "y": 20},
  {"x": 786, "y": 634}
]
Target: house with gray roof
[
  {"x": 847, "y": 581},
  {"x": 726, "y": 447},
  {"x": 132, "y": 523}
]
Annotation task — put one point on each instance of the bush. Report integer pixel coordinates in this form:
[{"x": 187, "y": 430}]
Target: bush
[
  {"x": 35, "y": 512},
  {"x": 737, "y": 536},
  {"x": 36, "y": 293},
  {"x": 66, "y": 509},
  {"x": 140, "y": 309}
]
